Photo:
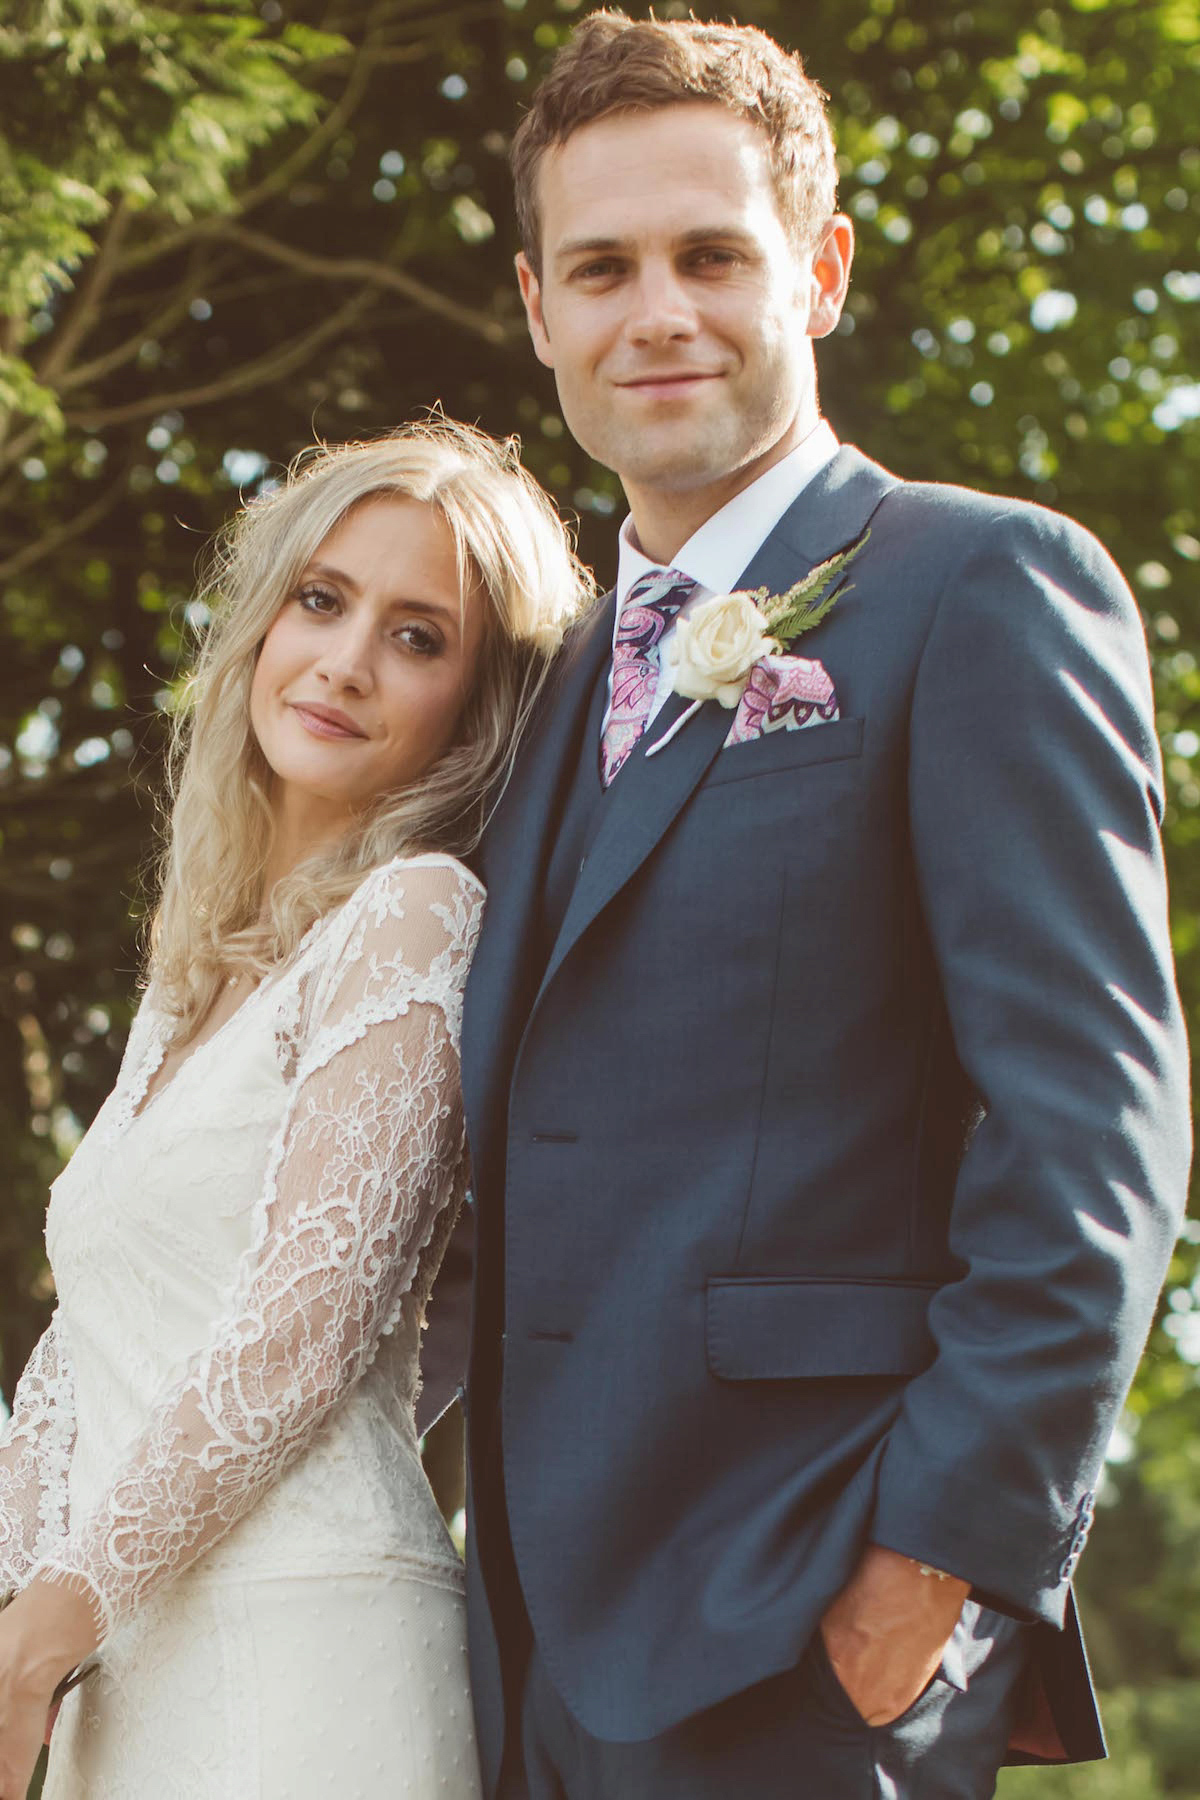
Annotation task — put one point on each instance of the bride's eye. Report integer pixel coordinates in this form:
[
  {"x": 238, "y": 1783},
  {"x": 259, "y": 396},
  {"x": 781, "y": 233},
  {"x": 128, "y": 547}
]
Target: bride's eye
[
  {"x": 319, "y": 600},
  {"x": 421, "y": 639}
]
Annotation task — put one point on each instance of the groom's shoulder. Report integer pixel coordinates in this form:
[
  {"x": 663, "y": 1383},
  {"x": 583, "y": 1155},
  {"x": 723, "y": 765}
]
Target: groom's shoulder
[
  {"x": 957, "y": 521},
  {"x": 937, "y": 541}
]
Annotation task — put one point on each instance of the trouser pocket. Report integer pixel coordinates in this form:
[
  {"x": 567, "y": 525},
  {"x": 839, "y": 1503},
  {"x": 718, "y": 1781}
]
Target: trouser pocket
[{"x": 830, "y": 1689}]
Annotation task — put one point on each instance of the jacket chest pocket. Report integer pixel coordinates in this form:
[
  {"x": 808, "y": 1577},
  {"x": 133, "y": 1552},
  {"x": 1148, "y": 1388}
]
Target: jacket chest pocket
[
  {"x": 763, "y": 802},
  {"x": 783, "y": 752}
]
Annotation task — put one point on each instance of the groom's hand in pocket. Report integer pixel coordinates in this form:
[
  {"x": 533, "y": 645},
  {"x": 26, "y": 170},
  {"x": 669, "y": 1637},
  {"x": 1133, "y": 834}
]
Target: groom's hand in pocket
[{"x": 886, "y": 1632}]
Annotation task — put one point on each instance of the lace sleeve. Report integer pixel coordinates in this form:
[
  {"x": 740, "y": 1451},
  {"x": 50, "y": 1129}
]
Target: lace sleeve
[
  {"x": 37, "y": 1443},
  {"x": 365, "y": 1161},
  {"x": 35, "y": 1457}
]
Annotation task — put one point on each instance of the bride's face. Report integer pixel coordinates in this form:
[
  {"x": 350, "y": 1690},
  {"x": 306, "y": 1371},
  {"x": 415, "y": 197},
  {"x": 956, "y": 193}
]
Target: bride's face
[{"x": 363, "y": 675}]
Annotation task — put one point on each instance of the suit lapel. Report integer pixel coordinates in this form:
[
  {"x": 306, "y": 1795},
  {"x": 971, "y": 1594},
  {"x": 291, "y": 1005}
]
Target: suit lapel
[
  {"x": 649, "y": 793},
  {"x": 642, "y": 802},
  {"x": 516, "y": 853}
]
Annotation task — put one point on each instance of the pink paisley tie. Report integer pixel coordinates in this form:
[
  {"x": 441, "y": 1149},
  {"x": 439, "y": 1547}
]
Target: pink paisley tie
[{"x": 650, "y": 606}]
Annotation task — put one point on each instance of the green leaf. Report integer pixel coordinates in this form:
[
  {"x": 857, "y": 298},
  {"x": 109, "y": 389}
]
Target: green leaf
[
  {"x": 23, "y": 394},
  {"x": 804, "y": 606}
]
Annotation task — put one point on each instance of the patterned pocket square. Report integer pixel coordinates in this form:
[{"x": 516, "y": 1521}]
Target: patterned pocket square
[{"x": 784, "y": 693}]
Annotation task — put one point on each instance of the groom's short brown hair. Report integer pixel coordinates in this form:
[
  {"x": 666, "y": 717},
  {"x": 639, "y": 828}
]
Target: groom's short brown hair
[{"x": 612, "y": 64}]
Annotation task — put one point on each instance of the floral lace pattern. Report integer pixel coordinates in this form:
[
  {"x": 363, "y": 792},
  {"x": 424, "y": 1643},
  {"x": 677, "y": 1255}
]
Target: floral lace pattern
[
  {"x": 335, "y": 1099},
  {"x": 35, "y": 1460}
]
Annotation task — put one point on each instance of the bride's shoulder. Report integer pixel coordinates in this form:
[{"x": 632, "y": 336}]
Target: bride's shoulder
[
  {"x": 402, "y": 898},
  {"x": 409, "y": 927},
  {"x": 423, "y": 873},
  {"x": 407, "y": 883}
]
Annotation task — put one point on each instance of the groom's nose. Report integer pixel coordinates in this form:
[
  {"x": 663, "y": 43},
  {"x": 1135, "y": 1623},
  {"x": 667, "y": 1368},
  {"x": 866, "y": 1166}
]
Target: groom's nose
[{"x": 660, "y": 309}]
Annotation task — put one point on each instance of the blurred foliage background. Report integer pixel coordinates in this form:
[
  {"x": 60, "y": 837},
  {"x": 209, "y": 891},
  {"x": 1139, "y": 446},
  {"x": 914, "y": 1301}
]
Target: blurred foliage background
[{"x": 226, "y": 228}]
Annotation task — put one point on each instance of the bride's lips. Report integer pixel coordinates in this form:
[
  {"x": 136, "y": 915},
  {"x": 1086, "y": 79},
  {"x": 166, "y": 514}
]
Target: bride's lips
[{"x": 326, "y": 721}]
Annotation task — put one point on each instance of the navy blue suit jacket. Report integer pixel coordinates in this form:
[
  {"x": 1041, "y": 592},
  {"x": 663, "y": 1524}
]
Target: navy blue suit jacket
[{"x": 829, "y": 1116}]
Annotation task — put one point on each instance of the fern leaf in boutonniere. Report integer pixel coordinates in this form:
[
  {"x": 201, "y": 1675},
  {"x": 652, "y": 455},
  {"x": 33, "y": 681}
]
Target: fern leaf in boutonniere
[{"x": 805, "y": 605}]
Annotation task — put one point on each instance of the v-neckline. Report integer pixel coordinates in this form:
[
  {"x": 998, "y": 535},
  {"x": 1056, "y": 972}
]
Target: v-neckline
[
  {"x": 142, "y": 1099},
  {"x": 150, "y": 1096}
]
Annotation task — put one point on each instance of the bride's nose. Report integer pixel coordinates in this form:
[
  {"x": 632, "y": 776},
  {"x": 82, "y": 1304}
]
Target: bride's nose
[{"x": 346, "y": 660}]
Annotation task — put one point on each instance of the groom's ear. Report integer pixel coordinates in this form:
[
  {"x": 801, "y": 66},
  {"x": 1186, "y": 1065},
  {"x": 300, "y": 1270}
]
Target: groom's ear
[
  {"x": 531, "y": 294},
  {"x": 830, "y": 276}
]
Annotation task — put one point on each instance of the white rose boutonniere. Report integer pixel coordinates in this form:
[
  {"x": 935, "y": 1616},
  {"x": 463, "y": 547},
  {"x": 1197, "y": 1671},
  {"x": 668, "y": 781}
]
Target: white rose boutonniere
[{"x": 715, "y": 647}]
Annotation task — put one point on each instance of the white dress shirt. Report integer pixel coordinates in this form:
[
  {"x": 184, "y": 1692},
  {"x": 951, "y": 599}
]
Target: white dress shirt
[{"x": 716, "y": 555}]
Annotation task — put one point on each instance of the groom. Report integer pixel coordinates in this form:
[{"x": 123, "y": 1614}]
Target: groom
[{"x": 823, "y": 1064}]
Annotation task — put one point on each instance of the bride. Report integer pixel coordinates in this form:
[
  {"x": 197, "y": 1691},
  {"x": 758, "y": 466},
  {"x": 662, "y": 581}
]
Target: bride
[{"x": 211, "y": 1470}]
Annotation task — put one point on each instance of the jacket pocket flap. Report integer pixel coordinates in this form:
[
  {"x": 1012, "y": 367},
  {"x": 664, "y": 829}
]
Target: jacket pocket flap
[
  {"x": 778, "y": 751},
  {"x": 763, "y": 1329}
]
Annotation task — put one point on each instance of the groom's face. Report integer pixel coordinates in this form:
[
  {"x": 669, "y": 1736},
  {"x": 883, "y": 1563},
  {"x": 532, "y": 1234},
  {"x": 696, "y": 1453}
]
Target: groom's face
[{"x": 672, "y": 304}]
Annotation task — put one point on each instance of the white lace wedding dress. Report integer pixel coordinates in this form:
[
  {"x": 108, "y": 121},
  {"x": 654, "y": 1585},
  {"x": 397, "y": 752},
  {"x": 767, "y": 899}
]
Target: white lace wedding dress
[{"x": 217, "y": 1429}]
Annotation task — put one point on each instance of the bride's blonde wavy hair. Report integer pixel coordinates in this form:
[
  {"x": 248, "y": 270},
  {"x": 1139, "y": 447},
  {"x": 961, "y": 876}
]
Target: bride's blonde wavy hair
[{"x": 213, "y": 920}]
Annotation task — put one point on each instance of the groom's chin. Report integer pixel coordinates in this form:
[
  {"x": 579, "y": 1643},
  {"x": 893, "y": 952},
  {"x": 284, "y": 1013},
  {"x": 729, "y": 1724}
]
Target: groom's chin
[{"x": 681, "y": 461}]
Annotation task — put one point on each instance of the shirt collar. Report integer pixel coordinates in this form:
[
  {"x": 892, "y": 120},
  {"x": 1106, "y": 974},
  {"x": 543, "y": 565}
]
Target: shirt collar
[{"x": 715, "y": 555}]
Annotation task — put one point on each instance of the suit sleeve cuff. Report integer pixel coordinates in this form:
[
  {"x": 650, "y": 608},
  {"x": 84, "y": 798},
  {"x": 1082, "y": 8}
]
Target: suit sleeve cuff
[{"x": 1014, "y": 1564}]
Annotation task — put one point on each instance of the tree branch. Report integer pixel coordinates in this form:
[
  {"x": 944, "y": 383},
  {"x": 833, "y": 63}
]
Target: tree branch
[
  {"x": 167, "y": 316},
  {"x": 44, "y": 546},
  {"x": 283, "y": 174},
  {"x": 239, "y": 381},
  {"x": 66, "y": 783},
  {"x": 365, "y": 268},
  {"x": 85, "y": 307},
  {"x": 389, "y": 15},
  {"x": 13, "y": 452},
  {"x": 458, "y": 16}
]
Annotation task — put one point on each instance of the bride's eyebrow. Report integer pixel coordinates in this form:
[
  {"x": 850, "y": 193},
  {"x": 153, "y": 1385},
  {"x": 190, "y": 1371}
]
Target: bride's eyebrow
[{"x": 332, "y": 574}]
